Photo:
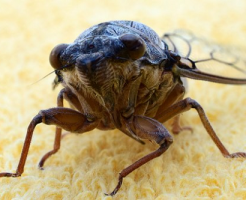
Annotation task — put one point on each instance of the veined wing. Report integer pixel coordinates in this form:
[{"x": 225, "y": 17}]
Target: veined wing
[{"x": 206, "y": 58}]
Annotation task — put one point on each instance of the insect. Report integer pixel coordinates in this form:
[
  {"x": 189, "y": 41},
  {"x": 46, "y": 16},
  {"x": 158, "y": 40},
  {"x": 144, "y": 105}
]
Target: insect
[{"x": 121, "y": 75}]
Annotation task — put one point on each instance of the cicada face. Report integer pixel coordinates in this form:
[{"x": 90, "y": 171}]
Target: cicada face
[{"x": 99, "y": 63}]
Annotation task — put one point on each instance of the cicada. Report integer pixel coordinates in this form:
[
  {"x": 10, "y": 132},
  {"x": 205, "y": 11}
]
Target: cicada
[{"x": 122, "y": 75}]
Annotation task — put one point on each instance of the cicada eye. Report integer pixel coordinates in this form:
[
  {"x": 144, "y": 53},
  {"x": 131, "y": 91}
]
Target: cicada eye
[
  {"x": 55, "y": 55},
  {"x": 135, "y": 46}
]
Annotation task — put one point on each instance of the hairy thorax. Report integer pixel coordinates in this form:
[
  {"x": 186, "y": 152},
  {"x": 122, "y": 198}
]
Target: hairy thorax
[{"x": 119, "y": 90}]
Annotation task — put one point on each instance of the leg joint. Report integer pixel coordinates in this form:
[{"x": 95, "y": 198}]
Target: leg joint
[
  {"x": 166, "y": 142},
  {"x": 192, "y": 103}
]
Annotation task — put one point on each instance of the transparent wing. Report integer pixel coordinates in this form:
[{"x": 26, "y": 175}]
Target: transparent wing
[{"x": 208, "y": 57}]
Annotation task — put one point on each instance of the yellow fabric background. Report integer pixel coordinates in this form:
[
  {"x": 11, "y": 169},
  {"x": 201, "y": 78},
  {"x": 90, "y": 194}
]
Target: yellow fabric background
[{"x": 88, "y": 165}]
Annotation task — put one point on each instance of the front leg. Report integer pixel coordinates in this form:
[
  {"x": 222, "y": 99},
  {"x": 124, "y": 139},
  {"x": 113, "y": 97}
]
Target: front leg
[
  {"x": 64, "y": 118},
  {"x": 150, "y": 129}
]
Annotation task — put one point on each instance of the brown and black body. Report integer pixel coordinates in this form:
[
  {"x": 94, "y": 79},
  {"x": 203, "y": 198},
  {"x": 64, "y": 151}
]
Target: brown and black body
[
  {"x": 113, "y": 84},
  {"x": 121, "y": 75}
]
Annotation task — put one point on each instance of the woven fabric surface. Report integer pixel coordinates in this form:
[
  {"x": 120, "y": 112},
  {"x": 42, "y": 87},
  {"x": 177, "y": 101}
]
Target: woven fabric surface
[{"x": 87, "y": 165}]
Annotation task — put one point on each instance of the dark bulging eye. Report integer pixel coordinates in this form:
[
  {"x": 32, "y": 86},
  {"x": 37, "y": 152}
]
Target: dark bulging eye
[
  {"x": 55, "y": 55},
  {"x": 134, "y": 45}
]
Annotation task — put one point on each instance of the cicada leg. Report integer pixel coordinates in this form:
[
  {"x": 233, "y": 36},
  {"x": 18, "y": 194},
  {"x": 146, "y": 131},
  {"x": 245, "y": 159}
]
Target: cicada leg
[
  {"x": 187, "y": 104},
  {"x": 73, "y": 100},
  {"x": 64, "y": 118},
  {"x": 177, "y": 94},
  {"x": 150, "y": 129},
  {"x": 147, "y": 128},
  {"x": 177, "y": 128}
]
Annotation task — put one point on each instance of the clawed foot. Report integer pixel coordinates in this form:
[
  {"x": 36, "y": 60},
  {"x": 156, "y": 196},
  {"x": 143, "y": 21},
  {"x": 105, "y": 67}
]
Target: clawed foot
[
  {"x": 116, "y": 188},
  {"x": 7, "y": 174},
  {"x": 237, "y": 155}
]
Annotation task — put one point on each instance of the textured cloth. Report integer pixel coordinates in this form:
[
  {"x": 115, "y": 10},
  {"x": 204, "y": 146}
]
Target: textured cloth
[{"x": 87, "y": 165}]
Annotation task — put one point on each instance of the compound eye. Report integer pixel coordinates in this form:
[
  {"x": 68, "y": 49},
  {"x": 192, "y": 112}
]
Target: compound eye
[
  {"x": 134, "y": 45},
  {"x": 55, "y": 55}
]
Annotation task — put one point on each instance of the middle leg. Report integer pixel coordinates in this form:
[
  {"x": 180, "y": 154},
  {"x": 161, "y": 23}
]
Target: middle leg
[
  {"x": 177, "y": 94},
  {"x": 187, "y": 104},
  {"x": 74, "y": 102}
]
